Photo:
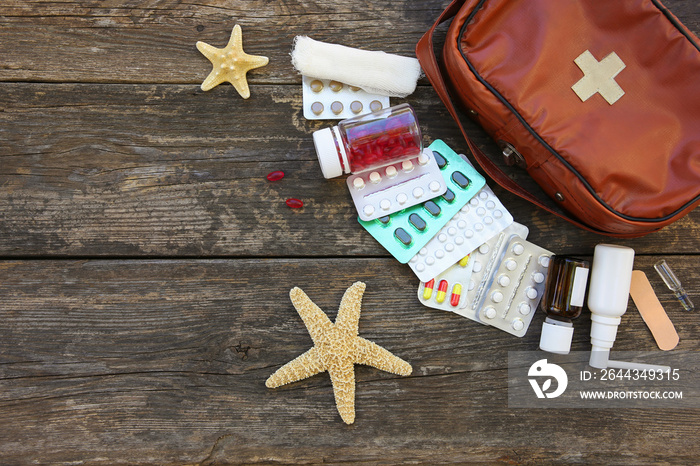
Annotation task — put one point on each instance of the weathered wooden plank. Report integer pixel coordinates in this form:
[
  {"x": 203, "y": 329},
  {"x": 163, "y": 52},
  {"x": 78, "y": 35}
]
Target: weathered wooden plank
[
  {"x": 168, "y": 170},
  {"x": 153, "y": 41},
  {"x": 165, "y": 361}
]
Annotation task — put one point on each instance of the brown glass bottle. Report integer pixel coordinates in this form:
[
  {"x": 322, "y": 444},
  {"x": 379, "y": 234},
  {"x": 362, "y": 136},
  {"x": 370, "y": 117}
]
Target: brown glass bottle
[
  {"x": 565, "y": 287},
  {"x": 562, "y": 301}
]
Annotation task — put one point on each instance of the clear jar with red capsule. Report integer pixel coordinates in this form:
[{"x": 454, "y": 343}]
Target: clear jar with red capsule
[{"x": 369, "y": 141}]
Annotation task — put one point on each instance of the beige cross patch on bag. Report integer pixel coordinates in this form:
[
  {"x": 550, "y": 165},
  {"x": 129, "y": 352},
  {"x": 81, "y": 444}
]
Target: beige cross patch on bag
[{"x": 599, "y": 77}]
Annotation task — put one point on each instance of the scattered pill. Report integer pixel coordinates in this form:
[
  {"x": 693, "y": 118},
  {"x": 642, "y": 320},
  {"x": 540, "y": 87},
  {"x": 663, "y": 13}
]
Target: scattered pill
[
  {"x": 433, "y": 208},
  {"x": 417, "y": 222},
  {"x": 442, "y": 291},
  {"x": 449, "y": 196},
  {"x": 428, "y": 289},
  {"x": 337, "y": 108},
  {"x": 531, "y": 293},
  {"x": 356, "y": 106},
  {"x": 403, "y": 236},
  {"x": 441, "y": 161},
  {"x": 375, "y": 105},
  {"x": 275, "y": 176},
  {"x": 461, "y": 180},
  {"x": 456, "y": 295},
  {"x": 316, "y": 85},
  {"x": 317, "y": 108},
  {"x": 423, "y": 159},
  {"x": 294, "y": 203}
]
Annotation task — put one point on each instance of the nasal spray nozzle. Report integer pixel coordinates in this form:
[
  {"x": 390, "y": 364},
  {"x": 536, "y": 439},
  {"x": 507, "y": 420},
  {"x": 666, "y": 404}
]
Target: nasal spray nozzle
[{"x": 608, "y": 294}]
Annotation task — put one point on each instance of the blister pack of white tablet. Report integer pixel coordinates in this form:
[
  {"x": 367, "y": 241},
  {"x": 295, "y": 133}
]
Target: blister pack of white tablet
[
  {"x": 324, "y": 99},
  {"x": 485, "y": 261},
  {"x": 516, "y": 287},
  {"x": 389, "y": 189},
  {"x": 483, "y": 217},
  {"x": 447, "y": 291}
]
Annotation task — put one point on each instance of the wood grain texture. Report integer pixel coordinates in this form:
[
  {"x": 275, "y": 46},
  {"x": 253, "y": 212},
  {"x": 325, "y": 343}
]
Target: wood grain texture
[
  {"x": 145, "y": 261},
  {"x": 137, "y": 361},
  {"x": 163, "y": 170}
]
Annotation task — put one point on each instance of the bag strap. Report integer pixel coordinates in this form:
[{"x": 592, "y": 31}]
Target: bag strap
[{"x": 425, "y": 52}]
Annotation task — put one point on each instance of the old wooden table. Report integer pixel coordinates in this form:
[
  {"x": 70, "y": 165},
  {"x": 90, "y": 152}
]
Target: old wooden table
[{"x": 146, "y": 261}]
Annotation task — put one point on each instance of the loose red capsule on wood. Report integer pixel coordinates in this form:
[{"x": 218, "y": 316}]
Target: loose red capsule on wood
[
  {"x": 294, "y": 203},
  {"x": 275, "y": 176}
]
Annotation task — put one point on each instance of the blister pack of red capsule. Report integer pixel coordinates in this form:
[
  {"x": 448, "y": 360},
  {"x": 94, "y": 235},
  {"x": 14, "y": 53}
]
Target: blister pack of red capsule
[
  {"x": 448, "y": 291},
  {"x": 389, "y": 189},
  {"x": 404, "y": 233},
  {"x": 469, "y": 277},
  {"x": 324, "y": 99}
]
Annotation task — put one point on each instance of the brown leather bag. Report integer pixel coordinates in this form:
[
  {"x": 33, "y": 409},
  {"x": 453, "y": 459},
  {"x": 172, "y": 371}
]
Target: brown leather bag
[{"x": 598, "y": 100}]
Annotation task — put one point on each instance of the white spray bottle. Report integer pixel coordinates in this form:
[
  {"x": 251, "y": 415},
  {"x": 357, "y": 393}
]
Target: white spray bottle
[{"x": 608, "y": 294}]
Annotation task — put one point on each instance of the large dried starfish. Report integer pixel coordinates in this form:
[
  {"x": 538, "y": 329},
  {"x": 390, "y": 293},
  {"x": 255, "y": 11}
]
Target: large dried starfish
[
  {"x": 337, "y": 348},
  {"x": 230, "y": 63}
]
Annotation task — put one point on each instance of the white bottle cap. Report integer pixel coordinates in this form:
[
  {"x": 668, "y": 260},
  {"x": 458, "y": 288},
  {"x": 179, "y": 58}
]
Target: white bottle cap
[
  {"x": 556, "y": 336},
  {"x": 327, "y": 152}
]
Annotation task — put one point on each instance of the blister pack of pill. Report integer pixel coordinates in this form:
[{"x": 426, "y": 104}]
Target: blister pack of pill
[
  {"x": 483, "y": 217},
  {"x": 475, "y": 276},
  {"x": 516, "y": 287},
  {"x": 324, "y": 99},
  {"x": 448, "y": 291},
  {"x": 389, "y": 189},
  {"x": 404, "y": 233}
]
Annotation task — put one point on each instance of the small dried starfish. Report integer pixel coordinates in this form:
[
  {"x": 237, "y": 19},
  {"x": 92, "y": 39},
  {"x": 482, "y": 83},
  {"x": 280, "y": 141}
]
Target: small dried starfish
[
  {"x": 230, "y": 63},
  {"x": 337, "y": 348}
]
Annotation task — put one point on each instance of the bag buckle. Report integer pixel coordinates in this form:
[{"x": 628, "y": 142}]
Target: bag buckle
[{"x": 511, "y": 156}]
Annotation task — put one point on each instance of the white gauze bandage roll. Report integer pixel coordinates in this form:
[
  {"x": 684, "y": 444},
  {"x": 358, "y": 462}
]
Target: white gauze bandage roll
[{"x": 376, "y": 72}]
